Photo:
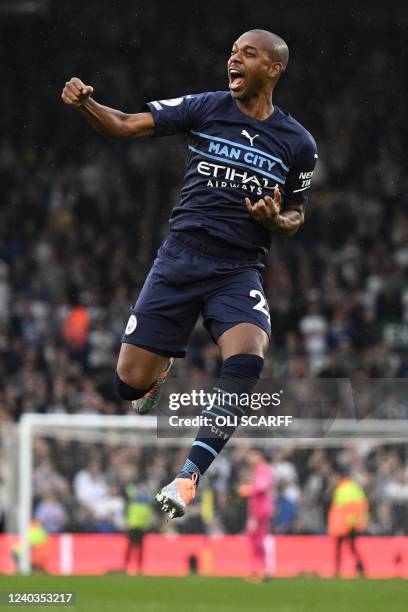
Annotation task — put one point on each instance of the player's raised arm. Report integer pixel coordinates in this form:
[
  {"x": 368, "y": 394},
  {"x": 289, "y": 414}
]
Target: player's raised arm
[{"x": 106, "y": 120}]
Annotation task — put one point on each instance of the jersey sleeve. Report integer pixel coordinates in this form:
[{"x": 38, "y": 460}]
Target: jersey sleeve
[
  {"x": 178, "y": 115},
  {"x": 299, "y": 178}
]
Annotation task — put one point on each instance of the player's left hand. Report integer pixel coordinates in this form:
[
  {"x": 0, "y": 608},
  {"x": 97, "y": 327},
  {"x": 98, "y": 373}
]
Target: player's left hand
[{"x": 266, "y": 210}]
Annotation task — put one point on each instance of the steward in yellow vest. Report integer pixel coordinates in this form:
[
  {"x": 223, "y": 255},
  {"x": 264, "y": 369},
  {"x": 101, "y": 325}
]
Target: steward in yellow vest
[{"x": 348, "y": 516}]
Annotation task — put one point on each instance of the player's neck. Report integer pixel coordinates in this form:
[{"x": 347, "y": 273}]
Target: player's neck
[{"x": 259, "y": 107}]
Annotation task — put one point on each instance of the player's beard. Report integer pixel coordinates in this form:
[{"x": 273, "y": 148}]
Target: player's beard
[
  {"x": 252, "y": 89},
  {"x": 246, "y": 94}
]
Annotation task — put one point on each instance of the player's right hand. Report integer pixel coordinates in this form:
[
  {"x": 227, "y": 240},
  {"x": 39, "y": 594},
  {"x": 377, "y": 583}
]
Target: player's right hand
[{"x": 75, "y": 92}]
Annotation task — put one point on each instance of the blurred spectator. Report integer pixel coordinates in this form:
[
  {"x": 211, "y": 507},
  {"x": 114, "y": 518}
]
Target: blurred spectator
[
  {"x": 382, "y": 520},
  {"x": 46, "y": 476},
  {"x": 110, "y": 511},
  {"x": 51, "y": 513},
  {"x": 396, "y": 492},
  {"x": 314, "y": 329},
  {"x": 286, "y": 509},
  {"x": 75, "y": 329},
  {"x": 315, "y": 496},
  {"x": 285, "y": 470},
  {"x": 90, "y": 486}
]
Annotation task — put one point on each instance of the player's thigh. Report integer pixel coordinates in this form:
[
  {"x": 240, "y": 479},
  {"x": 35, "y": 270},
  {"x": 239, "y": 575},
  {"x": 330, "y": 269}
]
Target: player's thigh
[
  {"x": 139, "y": 367},
  {"x": 243, "y": 339},
  {"x": 236, "y": 314},
  {"x": 163, "y": 317}
]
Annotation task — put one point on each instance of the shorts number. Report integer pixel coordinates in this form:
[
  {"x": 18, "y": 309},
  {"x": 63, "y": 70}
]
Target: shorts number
[{"x": 261, "y": 305}]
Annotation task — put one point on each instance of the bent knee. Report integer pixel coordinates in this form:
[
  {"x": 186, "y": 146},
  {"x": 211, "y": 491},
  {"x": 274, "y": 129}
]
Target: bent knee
[
  {"x": 135, "y": 376},
  {"x": 139, "y": 368}
]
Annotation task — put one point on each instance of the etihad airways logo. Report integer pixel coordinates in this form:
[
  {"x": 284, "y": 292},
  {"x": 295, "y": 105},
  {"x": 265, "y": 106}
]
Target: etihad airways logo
[{"x": 225, "y": 176}]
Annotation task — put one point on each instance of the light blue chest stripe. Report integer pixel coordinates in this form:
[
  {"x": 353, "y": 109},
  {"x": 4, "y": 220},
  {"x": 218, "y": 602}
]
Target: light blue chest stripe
[
  {"x": 235, "y": 163},
  {"x": 238, "y": 144}
]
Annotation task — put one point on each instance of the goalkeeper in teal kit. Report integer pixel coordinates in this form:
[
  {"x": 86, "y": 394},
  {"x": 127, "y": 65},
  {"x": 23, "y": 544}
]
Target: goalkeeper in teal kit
[{"x": 248, "y": 173}]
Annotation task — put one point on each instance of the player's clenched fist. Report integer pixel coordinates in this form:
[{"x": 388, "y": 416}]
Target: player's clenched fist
[{"x": 75, "y": 92}]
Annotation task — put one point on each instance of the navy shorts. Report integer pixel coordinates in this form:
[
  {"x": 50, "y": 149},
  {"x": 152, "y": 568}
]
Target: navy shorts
[{"x": 186, "y": 281}]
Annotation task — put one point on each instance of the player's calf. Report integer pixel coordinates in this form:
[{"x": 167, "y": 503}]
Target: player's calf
[
  {"x": 127, "y": 392},
  {"x": 143, "y": 400},
  {"x": 138, "y": 370},
  {"x": 151, "y": 397}
]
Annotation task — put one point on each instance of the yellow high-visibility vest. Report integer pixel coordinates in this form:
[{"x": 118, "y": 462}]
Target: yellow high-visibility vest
[{"x": 349, "y": 509}]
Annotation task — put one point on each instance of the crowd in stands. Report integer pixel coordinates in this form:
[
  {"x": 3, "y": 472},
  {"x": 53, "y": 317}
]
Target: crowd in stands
[
  {"x": 82, "y": 487},
  {"x": 81, "y": 218}
]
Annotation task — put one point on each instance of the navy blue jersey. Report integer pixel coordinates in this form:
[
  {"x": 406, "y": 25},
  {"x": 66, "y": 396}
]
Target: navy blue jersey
[{"x": 231, "y": 156}]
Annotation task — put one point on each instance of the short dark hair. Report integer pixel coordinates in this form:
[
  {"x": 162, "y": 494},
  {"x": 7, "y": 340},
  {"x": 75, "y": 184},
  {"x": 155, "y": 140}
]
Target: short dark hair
[{"x": 278, "y": 47}]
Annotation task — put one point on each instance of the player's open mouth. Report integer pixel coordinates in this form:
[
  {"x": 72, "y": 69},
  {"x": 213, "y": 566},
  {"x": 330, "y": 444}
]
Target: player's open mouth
[{"x": 236, "y": 78}]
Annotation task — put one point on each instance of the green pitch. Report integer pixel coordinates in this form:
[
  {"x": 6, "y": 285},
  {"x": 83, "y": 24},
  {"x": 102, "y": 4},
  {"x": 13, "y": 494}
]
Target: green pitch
[{"x": 116, "y": 593}]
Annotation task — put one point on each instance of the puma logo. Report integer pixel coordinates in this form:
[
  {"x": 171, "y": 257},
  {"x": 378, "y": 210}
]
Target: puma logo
[{"x": 250, "y": 138}]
